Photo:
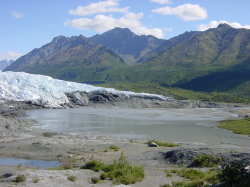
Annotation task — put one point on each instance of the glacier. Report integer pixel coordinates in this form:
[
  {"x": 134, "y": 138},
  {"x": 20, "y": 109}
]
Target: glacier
[{"x": 20, "y": 86}]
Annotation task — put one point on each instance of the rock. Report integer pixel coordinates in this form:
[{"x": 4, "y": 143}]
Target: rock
[
  {"x": 153, "y": 144},
  {"x": 78, "y": 98},
  {"x": 186, "y": 156},
  {"x": 7, "y": 175},
  {"x": 104, "y": 97}
]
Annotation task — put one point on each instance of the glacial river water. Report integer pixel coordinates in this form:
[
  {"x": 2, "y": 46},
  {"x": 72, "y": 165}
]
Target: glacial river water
[{"x": 197, "y": 126}]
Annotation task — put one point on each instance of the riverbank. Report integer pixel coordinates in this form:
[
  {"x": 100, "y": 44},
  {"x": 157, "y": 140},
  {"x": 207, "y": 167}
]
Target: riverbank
[{"x": 18, "y": 139}]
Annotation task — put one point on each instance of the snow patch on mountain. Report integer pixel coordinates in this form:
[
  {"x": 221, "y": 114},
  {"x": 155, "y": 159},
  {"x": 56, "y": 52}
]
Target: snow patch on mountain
[{"x": 20, "y": 86}]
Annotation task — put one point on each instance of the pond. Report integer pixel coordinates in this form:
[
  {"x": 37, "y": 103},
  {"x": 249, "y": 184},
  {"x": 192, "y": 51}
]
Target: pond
[
  {"x": 196, "y": 126},
  {"x": 32, "y": 163}
]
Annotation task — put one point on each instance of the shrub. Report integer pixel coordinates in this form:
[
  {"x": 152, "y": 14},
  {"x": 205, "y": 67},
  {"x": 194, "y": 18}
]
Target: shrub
[
  {"x": 121, "y": 172},
  {"x": 48, "y": 134},
  {"x": 206, "y": 160},
  {"x": 103, "y": 176},
  {"x": 196, "y": 177},
  {"x": 20, "y": 178},
  {"x": 233, "y": 172},
  {"x": 95, "y": 180},
  {"x": 124, "y": 173},
  {"x": 195, "y": 183},
  {"x": 192, "y": 174},
  {"x": 72, "y": 178},
  {"x": 164, "y": 144},
  {"x": 35, "y": 180},
  {"x": 94, "y": 166},
  {"x": 64, "y": 166},
  {"x": 168, "y": 173},
  {"x": 114, "y": 148},
  {"x": 165, "y": 185}
]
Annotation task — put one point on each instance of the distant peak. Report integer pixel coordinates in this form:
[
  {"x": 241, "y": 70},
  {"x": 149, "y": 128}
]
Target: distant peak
[
  {"x": 59, "y": 38},
  {"x": 120, "y": 30},
  {"x": 224, "y": 26}
]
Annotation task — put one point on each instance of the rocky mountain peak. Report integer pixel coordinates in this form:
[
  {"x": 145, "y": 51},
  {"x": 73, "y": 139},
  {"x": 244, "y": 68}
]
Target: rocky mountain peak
[{"x": 224, "y": 26}]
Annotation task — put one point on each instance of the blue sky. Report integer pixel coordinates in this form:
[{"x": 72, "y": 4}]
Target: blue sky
[{"x": 29, "y": 24}]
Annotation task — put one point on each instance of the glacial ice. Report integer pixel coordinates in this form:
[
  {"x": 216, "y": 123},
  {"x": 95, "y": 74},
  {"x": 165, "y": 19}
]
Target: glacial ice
[{"x": 20, "y": 86}]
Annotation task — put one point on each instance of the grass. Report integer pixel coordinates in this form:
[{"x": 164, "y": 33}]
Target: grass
[
  {"x": 48, "y": 134},
  {"x": 95, "y": 180},
  {"x": 165, "y": 185},
  {"x": 94, "y": 166},
  {"x": 196, "y": 178},
  {"x": 195, "y": 183},
  {"x": 103, "y": 176},
  {"x": 163, "y": 144},
  {"x": 72, "y": 178},
  {"x": 114, "y": 148},
  {"x": 65, "y": 166},
  {"x": 120, "y": 172},
  {"x": 168, "y": 173},
  {"x": 35, "y": 180},
  {"x": 20, "y": 178},
  {"x": 238, "y": 126},
  {"x": 206, "y": 160}
]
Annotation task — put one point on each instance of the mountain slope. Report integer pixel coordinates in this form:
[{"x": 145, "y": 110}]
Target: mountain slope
[
  {"x": 199, "y": 54},
  {"x": 220, "y": 47},
  {"x": 126, "y": 44},
  {"x": 5, "y": 63},
  {"x": 68, "y": 58}
]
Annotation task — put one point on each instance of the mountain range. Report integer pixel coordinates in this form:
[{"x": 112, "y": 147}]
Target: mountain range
[{"x": 215, "y": 60}]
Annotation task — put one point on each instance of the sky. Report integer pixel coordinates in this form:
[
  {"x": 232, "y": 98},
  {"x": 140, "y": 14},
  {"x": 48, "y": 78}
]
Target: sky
[{"x": 29, "y": 24}]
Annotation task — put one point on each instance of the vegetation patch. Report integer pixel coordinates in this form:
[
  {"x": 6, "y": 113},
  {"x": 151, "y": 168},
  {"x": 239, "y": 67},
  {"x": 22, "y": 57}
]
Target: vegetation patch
[
  {"x": 35, "y": 180},
  {"x": 20, "y": 178},
  {"x": 95, "y": 180},
  {"x": 48, "y": 134},
  {"x": 206, "y": 160},
  {"x": 233, "y": 173},
  {"x": 72, "y": 178},
  {"x": 64, "y": 166},
  {"x": 120, "y": 172},
  {"x": 163, "y": 144},
  {"x": 94, "y": 166},
  {"x": 114, "y": 148},
  {"x": 178, "y": 93},
  {"x": 168, "y": 173},
  {"x": 196, "y": 178},
  {"x": 238, "y": 126}
]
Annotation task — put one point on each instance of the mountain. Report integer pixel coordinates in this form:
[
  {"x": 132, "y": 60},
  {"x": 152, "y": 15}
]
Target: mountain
[
  {"x": 195, "y": 54},
  {"x": 214, "y": 60},
  {"x": 5, "y": 63},
  {"x": 129, "y": 46},
  {"x": 71, "y": 58}
]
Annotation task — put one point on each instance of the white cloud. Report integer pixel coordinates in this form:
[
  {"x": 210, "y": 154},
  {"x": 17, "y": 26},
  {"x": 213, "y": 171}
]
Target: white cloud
[
  {"x": 10, "y": 55},
  {"x": 102, "y": 23},
  {"x": 168, "y": 29},
  {"x": 187, "y": 12},
  {"x": 162, "y": 2},
  {"x": 16, "y": 14},
  {"x": 99, "y": 7},
  {"x": 214, "y": 24}
]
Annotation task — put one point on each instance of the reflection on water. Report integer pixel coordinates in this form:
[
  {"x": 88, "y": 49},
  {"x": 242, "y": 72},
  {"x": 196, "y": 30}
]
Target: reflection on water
[
  {"x": 178, "y": 125},
  {"x": 32, "y": 163}
]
